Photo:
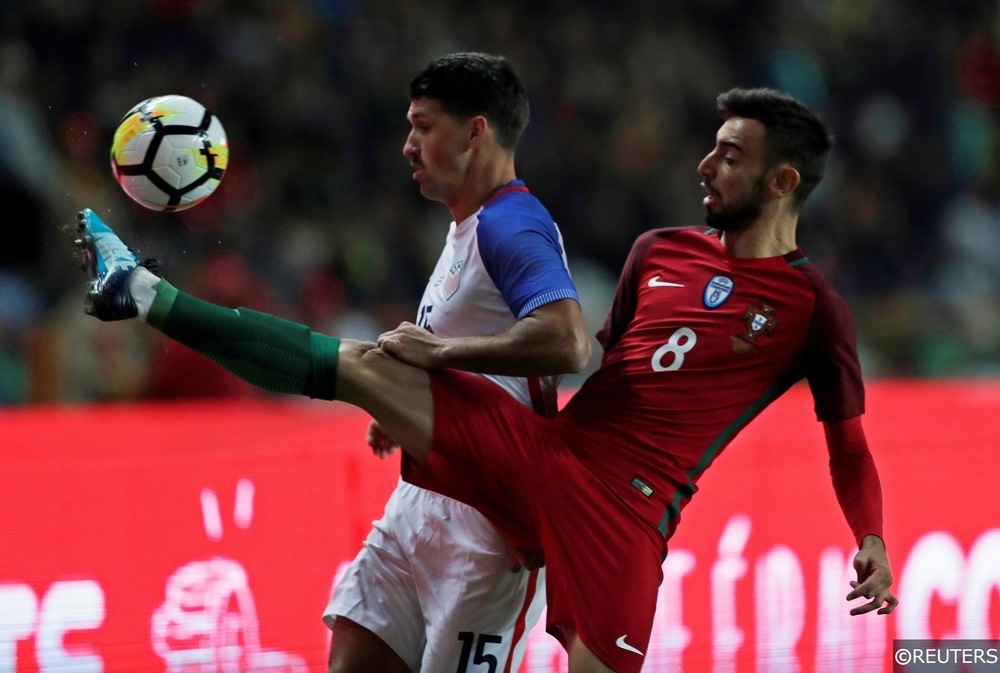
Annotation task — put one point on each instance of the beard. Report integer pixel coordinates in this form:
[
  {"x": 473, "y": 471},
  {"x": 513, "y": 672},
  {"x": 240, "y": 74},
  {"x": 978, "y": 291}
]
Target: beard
[{"x": 741, "y": 213}]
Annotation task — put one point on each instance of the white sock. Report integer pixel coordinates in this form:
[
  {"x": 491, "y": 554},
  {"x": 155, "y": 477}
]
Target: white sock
[{"x": 141, "y": 285}]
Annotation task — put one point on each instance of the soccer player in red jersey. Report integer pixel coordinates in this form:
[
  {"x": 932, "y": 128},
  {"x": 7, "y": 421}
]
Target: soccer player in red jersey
[{"x": 709, "y": 325}]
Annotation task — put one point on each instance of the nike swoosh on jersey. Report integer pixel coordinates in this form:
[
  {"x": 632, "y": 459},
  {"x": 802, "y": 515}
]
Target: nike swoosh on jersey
[
  {"x": 625, "y": 646},
  {"x": 656, "y": 282}
]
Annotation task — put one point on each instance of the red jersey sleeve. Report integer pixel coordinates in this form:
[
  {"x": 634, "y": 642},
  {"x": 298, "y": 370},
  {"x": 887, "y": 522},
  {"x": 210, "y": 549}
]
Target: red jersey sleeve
[
  {"x": 833, "y": 371},
  {"x": 832, "y": 367},
  {"x": 855, "y": 479}
]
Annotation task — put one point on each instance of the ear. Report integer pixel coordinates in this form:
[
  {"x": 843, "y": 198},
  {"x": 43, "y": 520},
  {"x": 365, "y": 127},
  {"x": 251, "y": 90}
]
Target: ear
[
  {"x": 477, "y": 128},
  {"x": 784, "y": 180}
]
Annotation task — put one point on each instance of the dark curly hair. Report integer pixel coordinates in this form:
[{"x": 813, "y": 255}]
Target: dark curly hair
[{"x": 471, "y": 83}]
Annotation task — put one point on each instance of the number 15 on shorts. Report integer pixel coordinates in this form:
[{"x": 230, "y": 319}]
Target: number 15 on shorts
[{"x": 480, "y": 641}]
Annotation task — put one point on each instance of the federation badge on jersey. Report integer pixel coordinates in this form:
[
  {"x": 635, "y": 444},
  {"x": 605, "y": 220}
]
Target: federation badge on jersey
[
  {"x": 759, "y": 320},
  {"x": 717, "y": 291},
  {"x": 452, "y": 280}
]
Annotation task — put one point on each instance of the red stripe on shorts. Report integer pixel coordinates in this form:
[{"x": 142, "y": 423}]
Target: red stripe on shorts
[
  {"x": 519, "y": 625},
  {"x": 538, "y": 402}
]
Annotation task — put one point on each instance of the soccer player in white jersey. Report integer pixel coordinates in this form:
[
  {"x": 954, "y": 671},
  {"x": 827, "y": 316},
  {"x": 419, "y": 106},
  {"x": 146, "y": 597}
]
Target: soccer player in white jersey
[{"x": 433, "y": 587}]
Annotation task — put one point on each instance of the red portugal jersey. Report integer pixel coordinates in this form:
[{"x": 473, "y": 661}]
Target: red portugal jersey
[{"x": 697, "y": 343}]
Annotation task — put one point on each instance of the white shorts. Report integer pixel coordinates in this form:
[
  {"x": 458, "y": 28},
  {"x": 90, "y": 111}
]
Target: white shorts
[{"x": 433, "y": 582}]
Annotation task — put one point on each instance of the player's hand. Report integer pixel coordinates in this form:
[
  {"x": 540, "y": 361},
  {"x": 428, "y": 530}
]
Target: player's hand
[
  {"x": 519, "y": 559},
  {"x": 413, "y": 345},
  {"x": 382, "y": 444},
  {"x": 874, "y": 578}
]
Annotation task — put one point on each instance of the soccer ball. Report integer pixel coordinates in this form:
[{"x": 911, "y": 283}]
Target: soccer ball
[{"x": 169, "y": 153}]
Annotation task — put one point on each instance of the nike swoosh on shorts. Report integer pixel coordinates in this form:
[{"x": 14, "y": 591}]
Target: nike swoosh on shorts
[{"x": 625, "y": 646}]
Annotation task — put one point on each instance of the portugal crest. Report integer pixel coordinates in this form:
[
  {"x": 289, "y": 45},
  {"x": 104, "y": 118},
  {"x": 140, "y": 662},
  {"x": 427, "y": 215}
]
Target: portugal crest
[{"x": 759, "y": 320}]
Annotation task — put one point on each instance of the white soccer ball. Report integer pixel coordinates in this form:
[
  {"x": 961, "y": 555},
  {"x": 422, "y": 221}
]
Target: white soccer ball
[{"x": 169, "y": 153}]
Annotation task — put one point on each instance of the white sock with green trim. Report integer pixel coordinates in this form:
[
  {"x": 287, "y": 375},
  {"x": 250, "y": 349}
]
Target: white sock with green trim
[{"x": 142, "y": 287}]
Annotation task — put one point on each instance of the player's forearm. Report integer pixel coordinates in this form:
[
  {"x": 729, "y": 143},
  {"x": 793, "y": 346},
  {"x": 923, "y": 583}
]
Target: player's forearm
[
  {"x": 855, "y": 478},
  {"x": 512, "y": 355},
  {"x": 550, "y": 340},
  {"x": 859, "y": 493}
]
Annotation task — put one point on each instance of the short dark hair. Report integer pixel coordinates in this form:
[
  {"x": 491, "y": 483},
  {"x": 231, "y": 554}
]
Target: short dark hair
[
  {"x": 795, "y": 133},
  {"x": 470, "y": 84}
]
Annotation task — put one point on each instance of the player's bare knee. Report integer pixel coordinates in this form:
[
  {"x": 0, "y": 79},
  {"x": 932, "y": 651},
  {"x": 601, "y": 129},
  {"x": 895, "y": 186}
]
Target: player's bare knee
[{"x": 351, "y": 369}]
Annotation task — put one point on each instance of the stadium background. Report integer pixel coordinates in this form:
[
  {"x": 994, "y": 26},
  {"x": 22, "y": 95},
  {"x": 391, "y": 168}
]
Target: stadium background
[{"x": 318, "y": 220}]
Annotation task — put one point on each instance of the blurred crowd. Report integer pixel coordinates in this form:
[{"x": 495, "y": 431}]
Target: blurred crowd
[{"x": 318, "y": 220}]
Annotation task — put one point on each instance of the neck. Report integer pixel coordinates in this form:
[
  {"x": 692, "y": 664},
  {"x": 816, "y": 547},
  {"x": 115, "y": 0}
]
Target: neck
[
  {"x": 479, "y": 185},
  {"x": 768, "y": 236}
]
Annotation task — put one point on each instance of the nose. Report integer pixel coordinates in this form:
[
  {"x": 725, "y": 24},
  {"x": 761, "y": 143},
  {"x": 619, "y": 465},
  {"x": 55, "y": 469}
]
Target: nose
[
  {"x": 705, "y": 167},
  {"x": 409, "y": 147}
]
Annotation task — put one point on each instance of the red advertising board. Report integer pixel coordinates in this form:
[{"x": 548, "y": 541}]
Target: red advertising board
[{"x": 207, "y": 536}]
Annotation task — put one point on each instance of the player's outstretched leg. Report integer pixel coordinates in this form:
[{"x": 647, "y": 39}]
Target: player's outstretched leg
[{"x": 272, "y": 353}]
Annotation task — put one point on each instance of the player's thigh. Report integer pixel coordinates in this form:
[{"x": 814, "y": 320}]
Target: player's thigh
[
  {"x": 396, "y": 394},
  {"x": 589, "y": 535},
  {"x": 482, "y": 635},
  {"x": 581, "y": 659},
  {"x": 377, "y": 593},
  {"x": 355, "y": 649},
  {"x": 478, "y": 610}
]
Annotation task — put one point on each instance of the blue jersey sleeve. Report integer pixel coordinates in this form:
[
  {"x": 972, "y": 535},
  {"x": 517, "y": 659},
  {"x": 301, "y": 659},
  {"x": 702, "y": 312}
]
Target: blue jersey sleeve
[{"x": 522, "y": 252}]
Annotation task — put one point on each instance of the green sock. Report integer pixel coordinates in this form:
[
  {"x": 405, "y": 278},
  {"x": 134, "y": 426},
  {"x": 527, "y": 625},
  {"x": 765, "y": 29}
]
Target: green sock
[{"x": 269, "y": 352}]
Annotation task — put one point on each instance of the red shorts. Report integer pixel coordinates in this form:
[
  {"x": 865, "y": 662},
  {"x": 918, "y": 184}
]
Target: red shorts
[{"x": 603, "y": 562}]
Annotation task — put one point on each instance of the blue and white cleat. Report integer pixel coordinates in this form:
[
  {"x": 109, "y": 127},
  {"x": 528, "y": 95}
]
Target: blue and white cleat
[{"x": 109, "y": 263}]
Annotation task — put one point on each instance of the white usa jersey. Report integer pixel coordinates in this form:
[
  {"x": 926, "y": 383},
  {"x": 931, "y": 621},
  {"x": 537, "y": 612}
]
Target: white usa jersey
[
  {"x": 497, "y": 266},
  {"x": 432, "y": 580}
]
